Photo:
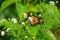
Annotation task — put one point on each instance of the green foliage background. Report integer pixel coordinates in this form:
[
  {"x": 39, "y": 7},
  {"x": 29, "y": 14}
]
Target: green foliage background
[{"x": 17, "y": 8}]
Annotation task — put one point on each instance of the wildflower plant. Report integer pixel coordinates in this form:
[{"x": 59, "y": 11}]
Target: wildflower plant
[{"x": 18, "y": 29}]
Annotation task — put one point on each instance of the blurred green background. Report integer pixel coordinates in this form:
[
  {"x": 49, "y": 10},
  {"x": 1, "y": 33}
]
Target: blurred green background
[{"x": 15, "y": 9}]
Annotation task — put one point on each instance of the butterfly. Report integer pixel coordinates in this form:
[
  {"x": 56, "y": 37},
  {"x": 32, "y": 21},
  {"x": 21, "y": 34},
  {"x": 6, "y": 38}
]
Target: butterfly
[{"x": 33, "y": 19}]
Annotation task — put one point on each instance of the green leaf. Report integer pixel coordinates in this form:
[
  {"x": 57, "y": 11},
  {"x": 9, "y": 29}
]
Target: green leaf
[
  {"x": 40, "y": 35},
  {"x": 33, "y": 30},
  {"x": 49, "y": 35},
  {"x": 21, "y": 8},
  {"x": 6, "y": 3},
  {"x": 45, "y": 35},
  {"x": 50, "y": 15}
]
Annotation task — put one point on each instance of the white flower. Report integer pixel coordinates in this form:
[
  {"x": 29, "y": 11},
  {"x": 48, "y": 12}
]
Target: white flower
[
  {"x": 25, "y": 15},
  {"x": 56, "y": 1},
  {"x": 14, "y": 20},
  {"x": 2, "y": 33},
  {"x": 23, "y": 23},
  {"x": 52, "y": 2},
  {"x": 9, "y": 19},
  {"x": 39, "y": 14},
  {"x": 30, "y": 19},
  {"x": 8, "y": 29},
  {"x": 2, "y": 20},
  {"x": 26, "y": 36}
]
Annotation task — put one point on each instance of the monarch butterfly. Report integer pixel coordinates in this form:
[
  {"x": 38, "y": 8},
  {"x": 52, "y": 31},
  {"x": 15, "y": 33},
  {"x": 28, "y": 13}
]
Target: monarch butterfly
[{"x": 34, "y": 20}]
